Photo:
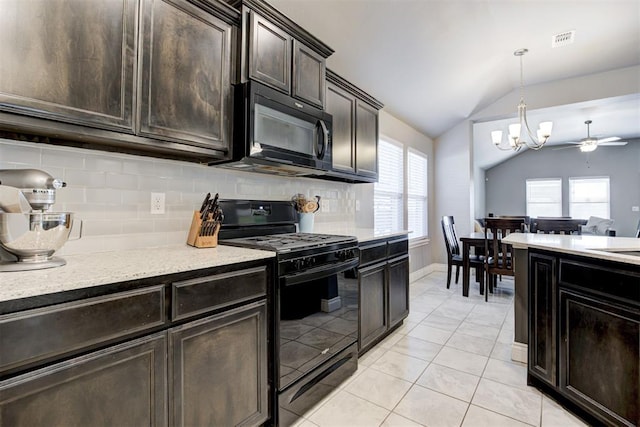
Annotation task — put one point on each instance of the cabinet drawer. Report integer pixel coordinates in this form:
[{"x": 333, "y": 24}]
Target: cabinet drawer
[
  {"x": 610, "y": 280},
  {"x": 398, "y": 247},
  {"x": 373, "y": 253},
  {"x": 195, "y": 296},
  {"x": 34, "y": 335}
]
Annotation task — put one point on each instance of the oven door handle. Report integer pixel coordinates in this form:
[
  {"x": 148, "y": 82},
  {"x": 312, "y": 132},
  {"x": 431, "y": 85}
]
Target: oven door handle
[{"x": 319, "y": 272}]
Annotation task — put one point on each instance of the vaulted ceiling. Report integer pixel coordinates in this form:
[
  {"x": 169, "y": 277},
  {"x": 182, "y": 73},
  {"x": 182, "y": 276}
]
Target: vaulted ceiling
[{"x": 433, "y": 63}]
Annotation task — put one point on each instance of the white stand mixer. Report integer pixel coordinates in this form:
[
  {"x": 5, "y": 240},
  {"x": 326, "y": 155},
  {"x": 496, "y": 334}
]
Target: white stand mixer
[{"x": 29, "y": 233}]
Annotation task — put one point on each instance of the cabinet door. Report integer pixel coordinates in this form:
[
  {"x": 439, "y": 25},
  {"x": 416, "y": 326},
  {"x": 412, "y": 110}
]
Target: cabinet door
[
  {"x": 71, "y": 61},
  {"x": 373, "y": 318},
  {"x": 342, "y": 107},
  {"x": 308, "y": 74},
  {"x": 186, "y": 68},
  {"x": 366, "y": 140},
  {"x": 542, "y": 321},
  {"x": 599, "y": 353},
  {"x": 123, "y": 385},
  {"x": 219, "y": 369},
  {"x": 398, "y": 289},
  {"x": 269, "y": 54}
]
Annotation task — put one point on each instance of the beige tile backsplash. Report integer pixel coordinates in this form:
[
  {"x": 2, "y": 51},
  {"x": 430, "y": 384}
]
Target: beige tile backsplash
[{"x": 111, "y": 193}]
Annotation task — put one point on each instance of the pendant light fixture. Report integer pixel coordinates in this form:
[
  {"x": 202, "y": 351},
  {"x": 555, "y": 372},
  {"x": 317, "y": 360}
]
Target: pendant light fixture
[{"x": 516, "y": 139}]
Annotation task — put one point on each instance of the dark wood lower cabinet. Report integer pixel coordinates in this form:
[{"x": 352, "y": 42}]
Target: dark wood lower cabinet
[
  {"x": 398, "y": 290},
  {"x": 584, "y": 335},
  {"x": 373, "y": 319},
  {"x": 383, "y": 279},
  {"x": 599, "y": 356},
  {"x": 219, "y": 369},
  {"x": 123, "y": 385}
]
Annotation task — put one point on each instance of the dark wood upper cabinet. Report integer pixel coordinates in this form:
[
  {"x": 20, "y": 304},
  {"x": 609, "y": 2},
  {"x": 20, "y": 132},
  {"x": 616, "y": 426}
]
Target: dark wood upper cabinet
[
  {"x": 186, "y": 74},
  {"x": 355, "y": 131},
  {"x": 309, "y": 72},
  {"x": 269, "y": 54},
  {"x": 279, "y": 53},
  {"x": 342, "y": 107},
  {"x": 366, "y": 140},
  {"x": 69, "y": 61}
]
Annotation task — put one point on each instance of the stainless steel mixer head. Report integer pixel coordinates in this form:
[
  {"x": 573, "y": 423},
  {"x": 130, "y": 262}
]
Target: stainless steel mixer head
[{"x": 38, "y": 187}]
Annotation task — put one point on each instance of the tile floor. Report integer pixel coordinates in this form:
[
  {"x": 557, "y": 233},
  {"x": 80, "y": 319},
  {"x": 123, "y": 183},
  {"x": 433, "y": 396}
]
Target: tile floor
[{"x": 449, "y": 364}]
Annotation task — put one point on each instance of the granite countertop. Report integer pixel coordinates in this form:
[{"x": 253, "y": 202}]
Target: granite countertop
[
  {"x": 363, "y": 234},
  {"x": 602, "y": 247},
  {"x": 95, "y": 269}
]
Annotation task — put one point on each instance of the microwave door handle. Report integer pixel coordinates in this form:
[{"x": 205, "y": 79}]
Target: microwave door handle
[{"x": 325, "y": 139}]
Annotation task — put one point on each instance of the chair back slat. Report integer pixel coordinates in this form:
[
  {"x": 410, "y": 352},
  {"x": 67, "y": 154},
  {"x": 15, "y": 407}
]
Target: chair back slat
[
  {"x": 450, "y": 238},
  {"x": 498, "y": 254}
]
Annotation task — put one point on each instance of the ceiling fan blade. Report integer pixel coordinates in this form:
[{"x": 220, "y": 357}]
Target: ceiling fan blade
[
  {"x": 612, "y": 143},
  {"x": 610, "y": 139},
  {"x": 567, "y": 146}
]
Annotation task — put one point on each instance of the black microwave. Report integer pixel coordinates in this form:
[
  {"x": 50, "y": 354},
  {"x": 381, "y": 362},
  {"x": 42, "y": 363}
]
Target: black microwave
[{"x": 274, "y": 132}]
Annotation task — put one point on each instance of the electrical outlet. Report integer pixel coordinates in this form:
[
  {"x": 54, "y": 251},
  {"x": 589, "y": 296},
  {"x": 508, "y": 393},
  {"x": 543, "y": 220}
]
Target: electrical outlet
[
  {"x": 635, "y": 208},
  {"x": 157, "y": 203},
  {"x": 324, "y": 205}
]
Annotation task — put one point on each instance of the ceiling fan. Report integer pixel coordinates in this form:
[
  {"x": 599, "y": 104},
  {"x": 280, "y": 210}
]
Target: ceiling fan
[{"x": 590, "y": 143}]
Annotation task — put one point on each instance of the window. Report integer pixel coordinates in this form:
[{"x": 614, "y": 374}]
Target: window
[
  {"x": 589, "y": 197},
  {"x": 388, "y": 191},
  {"x": 544, "y": 197},
  {"x": 417, "y": 194}
]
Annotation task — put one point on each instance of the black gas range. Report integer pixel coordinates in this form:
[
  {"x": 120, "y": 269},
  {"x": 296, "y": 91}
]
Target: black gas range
[{"x": 315, "y": 307}]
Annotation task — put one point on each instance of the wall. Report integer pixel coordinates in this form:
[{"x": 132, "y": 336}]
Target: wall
[
  {"x": 505, "y": 183},
  {"x": 393, "y": 128},
  {"x": 453, "y": 180},
  {"x": 111, "y": 193}
]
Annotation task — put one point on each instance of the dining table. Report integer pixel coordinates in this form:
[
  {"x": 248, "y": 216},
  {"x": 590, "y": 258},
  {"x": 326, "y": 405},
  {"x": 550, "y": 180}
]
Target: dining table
[{"x": 473, "y": 240}]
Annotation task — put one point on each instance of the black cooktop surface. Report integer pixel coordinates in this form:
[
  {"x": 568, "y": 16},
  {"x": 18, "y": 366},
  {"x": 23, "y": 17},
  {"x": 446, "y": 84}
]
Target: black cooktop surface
[{"x": 289, "y": 241}]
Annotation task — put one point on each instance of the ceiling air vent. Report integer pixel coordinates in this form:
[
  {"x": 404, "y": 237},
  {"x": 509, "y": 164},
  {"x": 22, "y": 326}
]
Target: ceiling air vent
[{"x": 563, "y": 39}]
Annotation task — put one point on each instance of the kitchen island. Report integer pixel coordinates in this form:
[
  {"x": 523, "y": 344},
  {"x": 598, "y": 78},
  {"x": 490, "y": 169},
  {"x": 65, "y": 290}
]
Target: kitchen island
[
  {"x": 579, "y": 300},
  {"x": 161, "y": 336}
]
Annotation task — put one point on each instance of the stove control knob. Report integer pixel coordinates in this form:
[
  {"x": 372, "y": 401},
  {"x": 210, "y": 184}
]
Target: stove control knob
[
  {"x": 297, "y": 264},
  {"x": 342, "y": 255},
  {"x": 311, "y": 261}
]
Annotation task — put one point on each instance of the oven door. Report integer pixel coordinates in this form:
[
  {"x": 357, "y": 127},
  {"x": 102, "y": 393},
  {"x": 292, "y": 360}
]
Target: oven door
[{"x": 318, "y": 333}]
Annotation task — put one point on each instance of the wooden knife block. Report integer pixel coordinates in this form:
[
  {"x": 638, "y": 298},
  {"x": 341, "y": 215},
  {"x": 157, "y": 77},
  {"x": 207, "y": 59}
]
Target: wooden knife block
[{"x": 195, "y": 239}]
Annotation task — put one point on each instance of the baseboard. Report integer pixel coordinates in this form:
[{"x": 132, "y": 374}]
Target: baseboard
[
  {"x": 519, "y": 352},
  {"x": 418, "y": 274}
]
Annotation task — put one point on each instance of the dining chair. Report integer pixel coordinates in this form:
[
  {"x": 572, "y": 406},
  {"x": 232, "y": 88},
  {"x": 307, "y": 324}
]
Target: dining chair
[
  {"x": 499, "y": 255},
  {"x": 557, "y": 225},
  {"x": 454, "y": 257}
]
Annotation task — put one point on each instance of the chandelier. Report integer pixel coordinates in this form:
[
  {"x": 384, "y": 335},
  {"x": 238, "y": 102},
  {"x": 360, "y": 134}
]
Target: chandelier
[{"x": 515, "y": 138}]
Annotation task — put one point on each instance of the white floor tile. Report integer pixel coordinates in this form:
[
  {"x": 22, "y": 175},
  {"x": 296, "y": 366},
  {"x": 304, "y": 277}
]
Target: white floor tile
[
  {"x": 461, "y": 360},
  {"x": 379, "y": 388},
  {"x": 522, "y": 404},
  {"x": 471, "y": 344},
  {"x": 400, "y": 366},
  {"x": 554, "y": 415},
  {"x": 480, "y": 417},
  {"x": 346, "y": 409},
  {"x": 511, "y": 373},
  {"x": 395, "y": 420},
  {"x": 417, "y": 347},
  {"x": 431, "y": 408},
  {"x": 429, "y": 333},
  {"x": 449, "y": 381}
]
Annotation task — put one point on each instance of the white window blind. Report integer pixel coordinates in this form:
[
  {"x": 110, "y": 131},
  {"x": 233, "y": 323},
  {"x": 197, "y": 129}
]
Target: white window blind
[
  {"x": 388, "y": 191},
  {"x": 417, "y": 194},
  {"x": 589, "y": 197},
  {"x": 544, "y": 197}
]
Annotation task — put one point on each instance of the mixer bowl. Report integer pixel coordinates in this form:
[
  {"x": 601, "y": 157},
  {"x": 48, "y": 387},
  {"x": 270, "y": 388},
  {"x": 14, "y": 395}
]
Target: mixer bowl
[{"x": 34, "y": 237}]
